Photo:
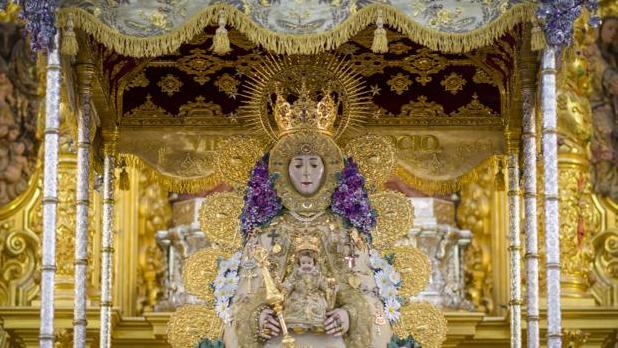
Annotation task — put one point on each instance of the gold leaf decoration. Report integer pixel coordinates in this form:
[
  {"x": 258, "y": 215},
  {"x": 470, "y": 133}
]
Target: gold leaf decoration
[
  {"x": 424, "y": 63},
  {"x": 139, "y": 80},
  {"x": 414, "y": 267},
  {"x": 170, "y": 84},
  {"x": 228, "y": 85},
  {"x": 375, "y": 156},
  {"x": 237, "y": 156},
  {"x": 474, "y": 109},
  {"x": 200, "y": 64},
  {"x": 148, "y": 109},
  {"x": 399, "y": 83},
  {"x": 394, "y": 218},
  {"x": 192, "y": 323},
  {"x": 199, "y": 271},
  {"x": 399, "y": 48},
  {"x": 481, "y": 76},
  {"x": 453, "y": 83},
  {"x": 200, "y": 108},
  {"x": 220, "y": 220},
  {"x": 424, "y": 322},
  {"x": 422, "y": 108}
]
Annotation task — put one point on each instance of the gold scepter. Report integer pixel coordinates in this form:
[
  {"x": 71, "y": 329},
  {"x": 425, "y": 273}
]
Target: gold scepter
[{"x": 274, "y": 297}]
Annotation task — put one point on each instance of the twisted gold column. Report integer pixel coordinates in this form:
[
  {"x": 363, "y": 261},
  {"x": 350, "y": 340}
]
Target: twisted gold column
[
  {"x": 82, "y": 194},
  {"x": 50, "y": 196}
]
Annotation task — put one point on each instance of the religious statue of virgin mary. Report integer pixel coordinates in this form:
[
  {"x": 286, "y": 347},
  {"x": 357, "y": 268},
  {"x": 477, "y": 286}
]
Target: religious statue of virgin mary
[{"x": 300, "y": 267}]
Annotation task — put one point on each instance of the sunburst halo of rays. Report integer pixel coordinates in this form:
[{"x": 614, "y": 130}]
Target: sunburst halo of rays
[{"x": 318, "y": 72}]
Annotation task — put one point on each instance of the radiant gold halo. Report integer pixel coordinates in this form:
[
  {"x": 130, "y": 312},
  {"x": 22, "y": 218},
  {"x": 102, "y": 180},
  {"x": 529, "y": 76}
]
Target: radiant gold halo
[
  {"x": 394, "y": 218},
  {"x": 414, "y": 267},
  {"x": 220, "y": 220},
  {"x": 199, "y": 271},
  {"x": 424, "y": 322},
  {"x": 192, "y": 323},
  {"x": 375, "y": 156},
  {"x": 236, "y": 158},
  {"x": 286, "y": 73}
]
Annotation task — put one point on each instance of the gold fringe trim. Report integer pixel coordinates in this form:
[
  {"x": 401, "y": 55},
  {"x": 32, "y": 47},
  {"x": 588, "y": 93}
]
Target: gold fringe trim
[
  {"x": 297, "y": 44},
  {"x": 380, "y": 40},
  {"x": 170, "y": 183},
  {"x": 432, "y": 187}
]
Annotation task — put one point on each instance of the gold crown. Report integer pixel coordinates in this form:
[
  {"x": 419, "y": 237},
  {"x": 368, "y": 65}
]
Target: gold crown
[
  {"x": 305, "y": 113},
  {"x": 311, "y": 243}
]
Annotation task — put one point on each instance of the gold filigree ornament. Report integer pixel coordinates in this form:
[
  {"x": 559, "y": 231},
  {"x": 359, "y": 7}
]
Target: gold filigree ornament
[
  {"x": 200, "y": 270},
  {"x": 453, "y": 83},
  {"x": 237, "y": 156},
  {"x": 424, "y": 322},
  {"x": 394, "y": 218},
  {"x": 220, "y": 220},
  {"x": 375, "y": 156},
  {"x": 192, "y": 323},
  {"x": 414, "y": 267}
]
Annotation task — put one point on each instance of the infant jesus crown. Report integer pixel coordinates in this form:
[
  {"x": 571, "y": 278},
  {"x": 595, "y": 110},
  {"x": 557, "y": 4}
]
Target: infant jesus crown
[
  {"x": 305, "y": 112},
  {"x": 307, "y": 242}
]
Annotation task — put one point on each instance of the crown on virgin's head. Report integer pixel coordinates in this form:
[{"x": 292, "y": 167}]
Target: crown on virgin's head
[
  {"x": 307, "y": 242},
  {"x": 305, "y": 112}
]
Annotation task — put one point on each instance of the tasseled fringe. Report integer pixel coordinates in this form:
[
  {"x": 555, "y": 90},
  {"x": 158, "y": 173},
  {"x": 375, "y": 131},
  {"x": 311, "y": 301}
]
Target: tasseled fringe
[
  {"x": 221, "y": 42},
  {"x": 170, "y": 183},
  {"x": 380, "y": 41},
  {"x": 298, "y": 44},
  {"x": 69, "y": 45},
  {"x": 432, "y": 187},
  {"x": 499, "y": 180},
  {"x": 537, "y": 42}
]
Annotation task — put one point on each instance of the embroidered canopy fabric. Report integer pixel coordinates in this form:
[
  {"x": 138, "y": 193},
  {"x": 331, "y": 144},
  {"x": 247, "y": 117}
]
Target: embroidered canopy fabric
[{"x": 151, "y": 28}]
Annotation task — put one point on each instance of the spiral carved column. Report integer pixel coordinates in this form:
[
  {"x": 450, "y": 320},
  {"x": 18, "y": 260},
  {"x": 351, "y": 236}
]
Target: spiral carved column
[
  {"x": 50, "y": 197},
  {"x": 107, "y": 242},
  {"x": 82, "y": 194},
  {"x": 550, "y": 181}
]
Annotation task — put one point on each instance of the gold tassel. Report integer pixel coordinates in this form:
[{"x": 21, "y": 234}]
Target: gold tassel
[
  {"x": 69, "y": 40},
  {"x": 499, "y": 180},
  {"x": 380, "y": 41},
  {"x": 221, "y": 42},
  {"x": 537, "y": 42}
]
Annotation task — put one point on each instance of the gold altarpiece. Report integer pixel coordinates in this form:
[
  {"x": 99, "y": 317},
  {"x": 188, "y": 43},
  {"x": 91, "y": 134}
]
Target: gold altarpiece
[{"x": 589, "y": 223}]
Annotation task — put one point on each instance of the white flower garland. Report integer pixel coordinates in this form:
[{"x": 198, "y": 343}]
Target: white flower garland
[
  {"x": 225, "y": 285},
  {"x": 388, "y": 281}
]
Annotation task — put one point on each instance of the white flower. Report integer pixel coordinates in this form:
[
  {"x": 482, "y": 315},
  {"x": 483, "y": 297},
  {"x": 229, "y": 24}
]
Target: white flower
[
  {"x": 394, "y": 276},
  {"x": 219, "y": 292},
  {"x": 234, "y": 261},
  {"x": 228, "y": 292},
  {"x": 388, "y": 291},
  {"x": 224, "y": 265},
  {"x": 376, "y": 261},
  {"x": 219, "y": 281},
  {"x": 221, "y": 305},
  {"x": 382, "y": 279},
  {"x": 231, "y": 278},
  {"x": 223, "y": 310},
  {"x": 391, "y": 309}
]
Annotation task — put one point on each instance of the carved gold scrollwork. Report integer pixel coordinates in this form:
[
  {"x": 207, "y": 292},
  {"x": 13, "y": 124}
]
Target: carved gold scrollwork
[
  {"x": 220, "y": 220},
  {"x": 424, "y": 63},
  {"x": 200, "y": 64},
  {"x": 19, "y": 262},
  {"x": 375, "y": 156}
]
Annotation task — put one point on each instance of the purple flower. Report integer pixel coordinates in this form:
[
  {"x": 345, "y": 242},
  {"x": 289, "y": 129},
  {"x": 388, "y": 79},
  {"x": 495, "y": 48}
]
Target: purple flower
[
  {"x": 350, "y": 200},
  {"x": 261, "y": 200}
]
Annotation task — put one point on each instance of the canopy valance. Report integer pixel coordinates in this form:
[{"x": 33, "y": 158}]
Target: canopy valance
[{"x": 154, "y": 28}]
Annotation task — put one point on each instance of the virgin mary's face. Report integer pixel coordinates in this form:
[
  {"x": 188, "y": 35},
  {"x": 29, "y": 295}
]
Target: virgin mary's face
[
  {"x": 306, "y": 172},
  {"x": 609, "y": 30}
]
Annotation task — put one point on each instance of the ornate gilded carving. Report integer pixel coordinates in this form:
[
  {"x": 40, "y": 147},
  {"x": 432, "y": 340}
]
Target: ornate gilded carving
[
  {"x": 236, "y": 157},
  {"x": 169, "y": 84},
  {"x": 424, "y": 322},
  {"x": 220, "y": 220},
  {"x": 424, "y": 63},
  {"x": 64, "y": 338},
  {"x": 474, "y": 109},
  {"x": 154, "y": 215},
  {"x": 453, "y": 83},
  {"x": 19, "y": 262},
  {"x": 474, "y": 214},
  {"x": 422, "y": 108},
  {"x": 368, "y": 64},
  {"x": 399, "y": 83},
  {"x": 574, "y": 338},
  {"x": 228, "y": 85},
  {"x": 394, "y": 218},
  {"x": 139, "y": 80},
  {"x": 375, "y": 156},
  {"x": 192, "y": 323},
  {"x": 199, "y": 107},
  {"x": 200, "y": 64},
  {"x": 148, "y": 110},
  {"x": 399, "y": 48}
]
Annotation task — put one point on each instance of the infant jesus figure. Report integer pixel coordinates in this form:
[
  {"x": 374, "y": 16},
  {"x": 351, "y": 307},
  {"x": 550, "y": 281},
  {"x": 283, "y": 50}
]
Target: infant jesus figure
[{"x": 308, "y": 295}]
